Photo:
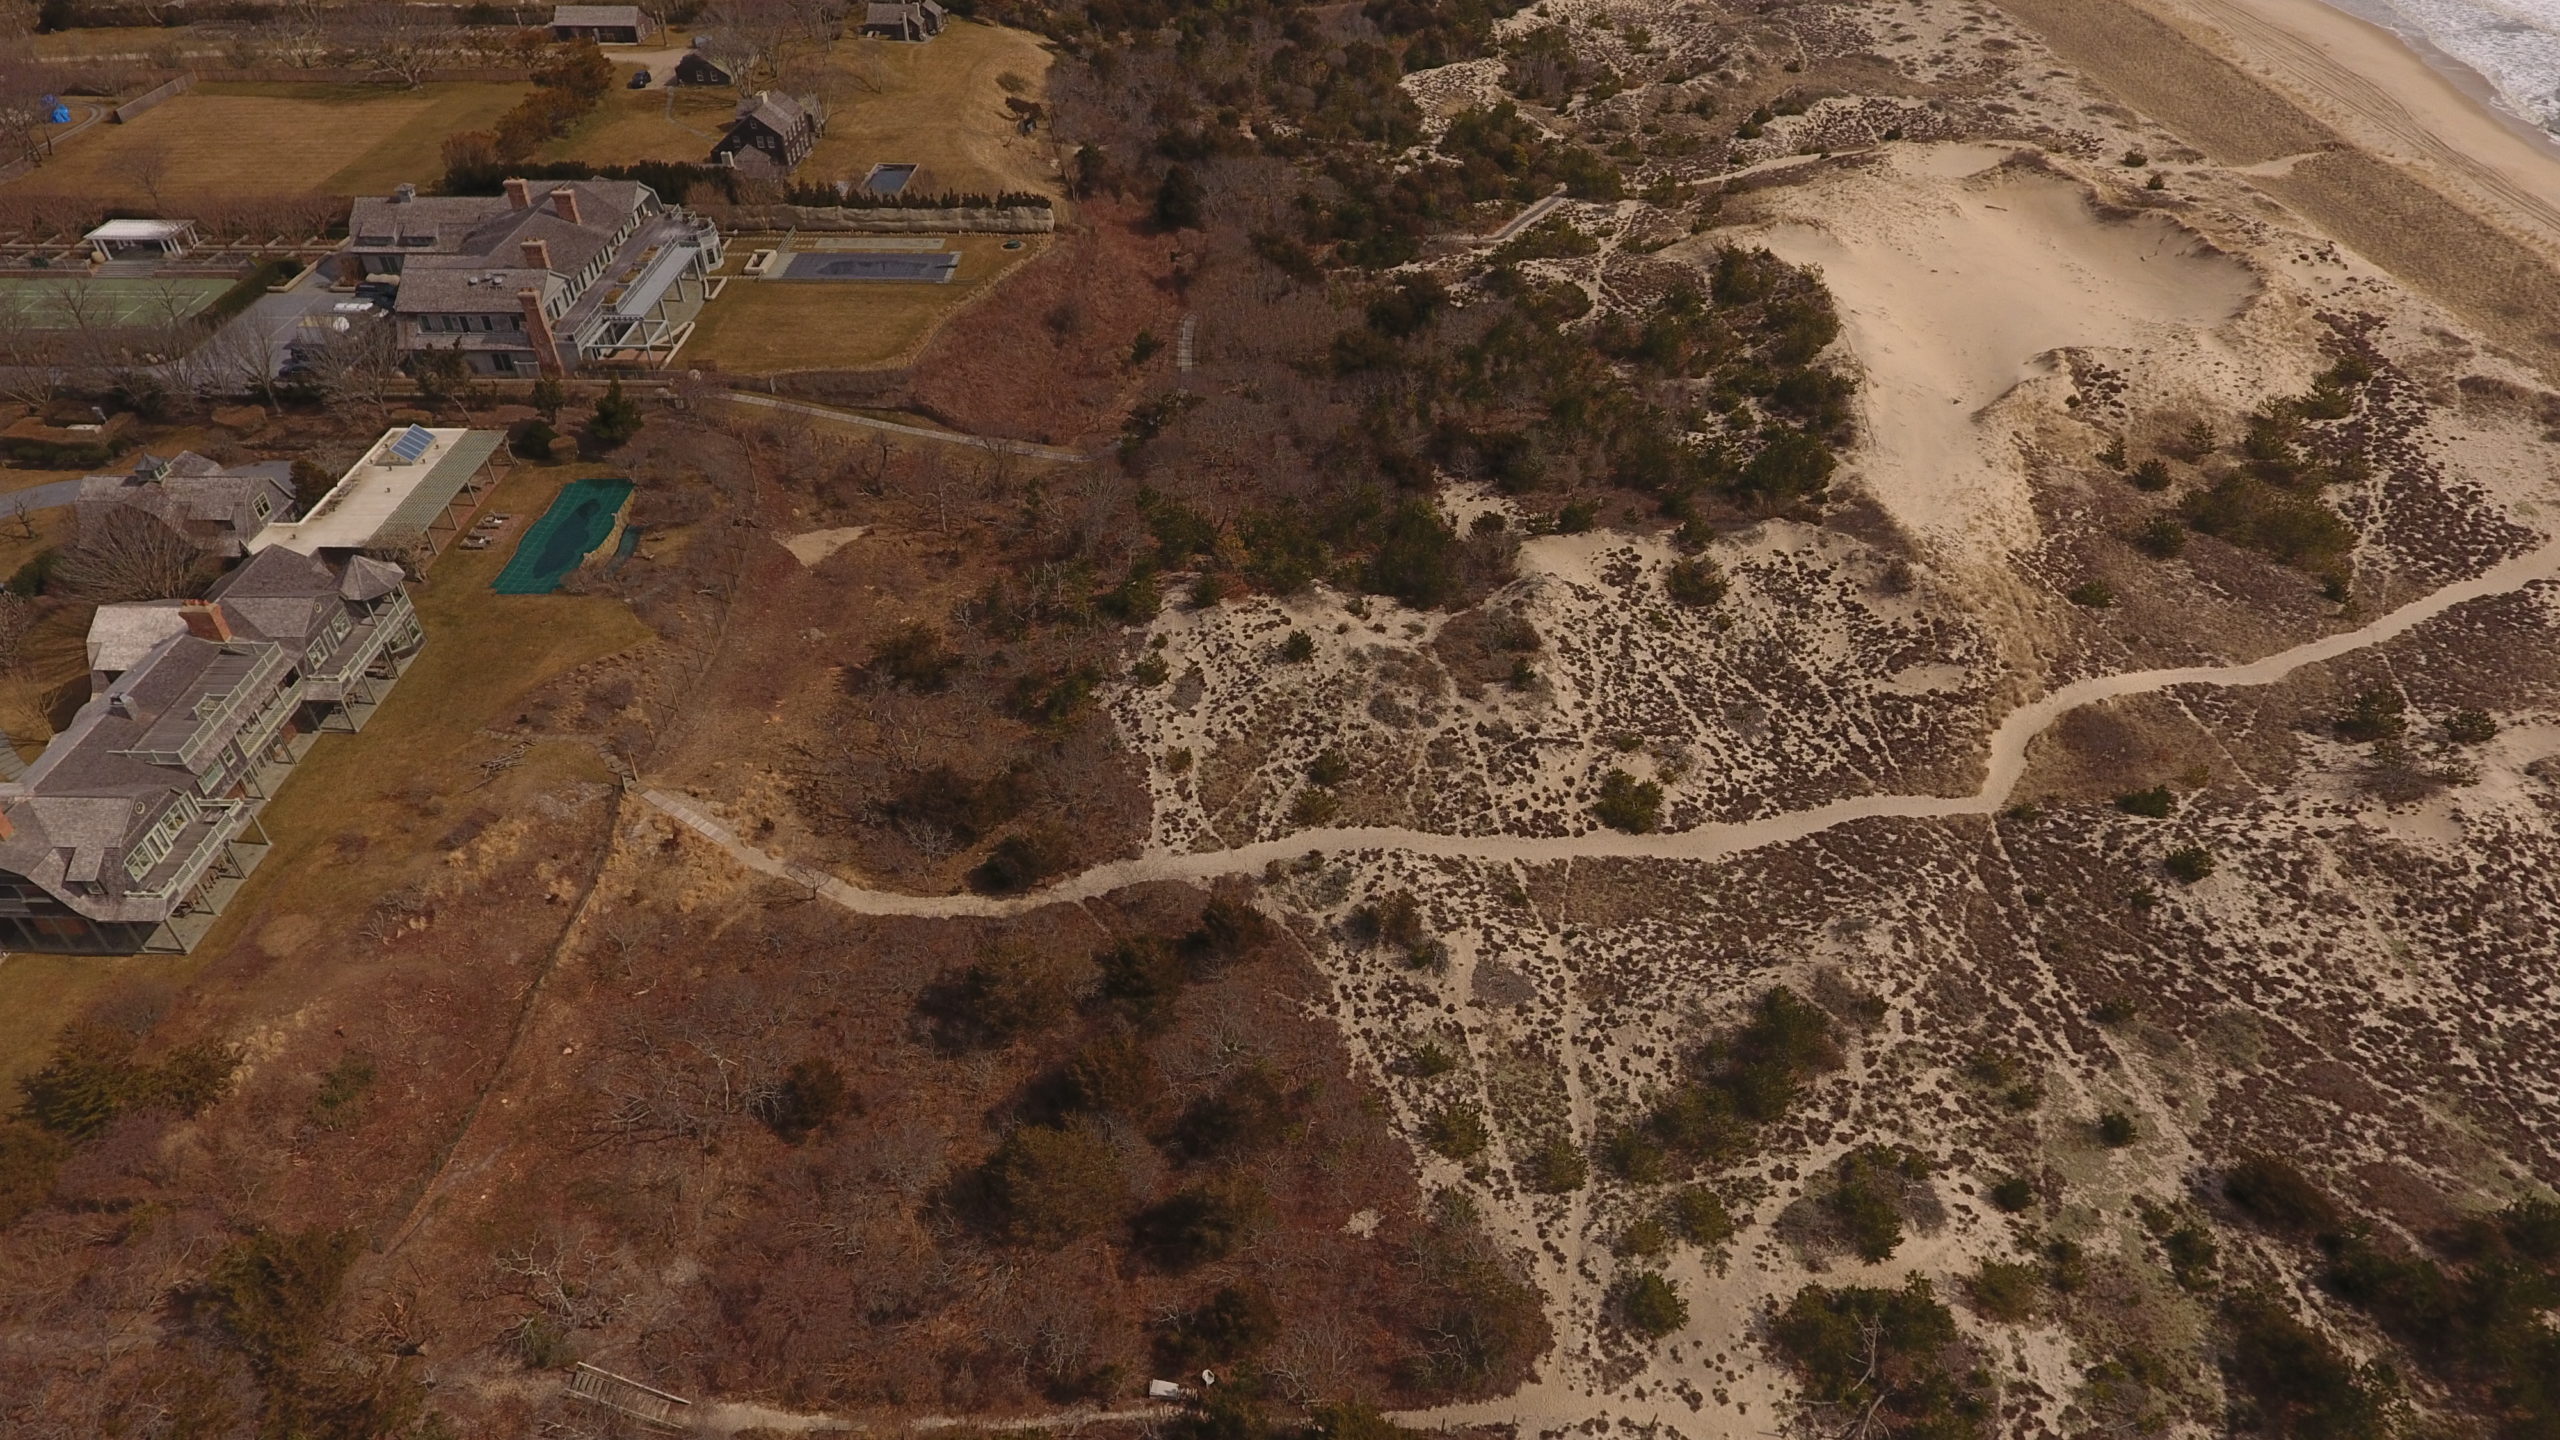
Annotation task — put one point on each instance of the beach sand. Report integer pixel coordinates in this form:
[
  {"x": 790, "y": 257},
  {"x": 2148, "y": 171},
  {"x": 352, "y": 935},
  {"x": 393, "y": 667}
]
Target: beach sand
[{"x": 2343, "y": 122}]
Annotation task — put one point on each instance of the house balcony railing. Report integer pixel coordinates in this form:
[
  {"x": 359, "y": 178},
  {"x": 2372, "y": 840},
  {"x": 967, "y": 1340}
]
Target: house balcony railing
[{"x": 221, "y": 822}]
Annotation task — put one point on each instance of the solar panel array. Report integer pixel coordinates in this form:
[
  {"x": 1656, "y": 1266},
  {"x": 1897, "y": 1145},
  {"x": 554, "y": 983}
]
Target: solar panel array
[{"x": 413, "y": 443}]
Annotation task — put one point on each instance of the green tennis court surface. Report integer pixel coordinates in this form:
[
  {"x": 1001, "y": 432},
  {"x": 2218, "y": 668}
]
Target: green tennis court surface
[
  {"x": 74, "y": 304},
  {"x": 576, "y": 524}
]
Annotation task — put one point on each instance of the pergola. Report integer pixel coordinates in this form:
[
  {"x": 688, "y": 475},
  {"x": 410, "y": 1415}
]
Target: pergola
[{"x": 119, "y": 238}]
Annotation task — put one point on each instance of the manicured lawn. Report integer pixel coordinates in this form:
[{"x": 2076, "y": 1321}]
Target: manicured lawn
[
  {"x": 635, "y": 125},
  {"x": 764, "y": 326},
  {"x": 226, "y": 143}
]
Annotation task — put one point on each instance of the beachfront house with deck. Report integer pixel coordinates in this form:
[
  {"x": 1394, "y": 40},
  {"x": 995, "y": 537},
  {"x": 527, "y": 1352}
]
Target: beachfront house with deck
[
  {"x": 550, "y": 278},
  {"x": 138, "y": 822}
]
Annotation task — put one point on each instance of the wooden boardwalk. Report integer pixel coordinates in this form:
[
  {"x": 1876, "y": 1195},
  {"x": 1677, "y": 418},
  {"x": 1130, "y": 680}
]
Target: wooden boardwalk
[{"x": 650, "y": 1407}]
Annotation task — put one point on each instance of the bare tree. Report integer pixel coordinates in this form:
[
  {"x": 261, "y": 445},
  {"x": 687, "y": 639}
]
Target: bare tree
[
  {"x": 236, "y": 360},
  {"x": 22, "y": 114},
  {"x": 360, "y": 365},
  {"x": 133, "y": 555},
  {"x": 392, "y": 40},
  {"x": 149, "y": 168}
]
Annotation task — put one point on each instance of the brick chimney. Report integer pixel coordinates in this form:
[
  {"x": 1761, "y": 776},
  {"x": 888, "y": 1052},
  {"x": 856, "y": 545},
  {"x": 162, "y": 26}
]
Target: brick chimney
[
  {"x": 537, "y": 328},
  {"x": 205, "y": 620},
  {"x": 7, "y": 826},
  {"x": 519, "y": 194},
  {"x": 564, "y": 203},
  {"x": 537, "y": 254}
]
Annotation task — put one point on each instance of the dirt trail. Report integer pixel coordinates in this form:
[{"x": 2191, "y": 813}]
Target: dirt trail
[{"x": 2007, "y": 762}]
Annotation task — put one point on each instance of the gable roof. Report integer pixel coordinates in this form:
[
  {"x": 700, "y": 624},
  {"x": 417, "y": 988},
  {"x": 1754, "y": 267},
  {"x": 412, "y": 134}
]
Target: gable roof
[
  {"x": 606, "y": 15},
  {"x": 780, "y": 114}
]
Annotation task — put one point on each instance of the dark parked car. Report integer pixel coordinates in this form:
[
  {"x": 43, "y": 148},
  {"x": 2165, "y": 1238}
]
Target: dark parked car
[{"x": 640, "y": 78}]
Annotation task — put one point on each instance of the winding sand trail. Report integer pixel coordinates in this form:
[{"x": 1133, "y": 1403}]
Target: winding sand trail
[{"x": 2007, "y": 762}]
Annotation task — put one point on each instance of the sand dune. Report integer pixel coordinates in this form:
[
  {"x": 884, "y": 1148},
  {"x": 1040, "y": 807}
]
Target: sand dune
[
  {"x": 1983, "y": 271},
  {"x": 2411, "y": 174}
]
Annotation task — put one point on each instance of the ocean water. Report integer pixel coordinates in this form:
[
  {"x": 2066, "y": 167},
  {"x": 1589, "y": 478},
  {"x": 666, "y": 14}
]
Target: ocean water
[{"x": 2512, "y": 44}]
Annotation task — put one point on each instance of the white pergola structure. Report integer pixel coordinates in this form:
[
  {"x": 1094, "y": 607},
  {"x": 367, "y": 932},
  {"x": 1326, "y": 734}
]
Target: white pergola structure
[{"x": 122, "y": 239}]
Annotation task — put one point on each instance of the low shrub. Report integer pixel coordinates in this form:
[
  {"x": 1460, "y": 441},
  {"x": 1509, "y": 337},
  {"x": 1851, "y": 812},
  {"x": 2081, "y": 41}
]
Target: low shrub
[
  {"x": 1556, "y": 1167},
  {"x": 1650, "y": 1305},
  {"x": 2280, "y": 1197},
  {"x": 811, "y": 1097},
  {"x": 1231, "y": 1325},
  {"x": 1047, "y": 1185},
  {"x": 1201, "y": 1224},
  {"x": 1868, "y": 1194},
  {"x": 2013, "y": 1194},
  {"x": 1456, "y": 1131},
  {"x": 1253, "y": 1111},
  {"x": 1889, "y": 1362},
  {"x": 1627, "y": 804},
  {"x": 2188, "y": 864},
  {"x": 2156, "y": 803},
  {"x": 2115, "y": 1129},
  {"x": 1698, "y": 1215},
  {"x": 2294, "y": 1381},
  {"x": 2005, "y": 1290}
]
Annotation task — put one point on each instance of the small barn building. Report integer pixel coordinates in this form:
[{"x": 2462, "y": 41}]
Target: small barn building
[
  {"x": 696, "y": 68},
  {"x": 916, "y": 20},
  {"x": 604, "y": 24}
]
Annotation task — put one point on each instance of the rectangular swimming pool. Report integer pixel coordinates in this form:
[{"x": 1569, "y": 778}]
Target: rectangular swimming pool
[{"x": 909, "y": 267}]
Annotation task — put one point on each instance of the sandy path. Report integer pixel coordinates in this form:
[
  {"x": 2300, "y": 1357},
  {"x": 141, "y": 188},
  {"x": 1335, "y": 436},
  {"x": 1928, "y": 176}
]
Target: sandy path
[{"x": 2007, "y": 762}]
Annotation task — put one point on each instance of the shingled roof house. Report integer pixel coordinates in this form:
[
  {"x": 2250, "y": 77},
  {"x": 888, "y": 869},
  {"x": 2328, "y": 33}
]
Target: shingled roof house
[
  {"x": 604, "y": 24},
  {"x": 217, "y": 506},
  {"x": 902, "y": 19},
  {"x": 772, "y": 131},
  {"x": 584, "y": 273},
  {"x": 138, "y": 821}
]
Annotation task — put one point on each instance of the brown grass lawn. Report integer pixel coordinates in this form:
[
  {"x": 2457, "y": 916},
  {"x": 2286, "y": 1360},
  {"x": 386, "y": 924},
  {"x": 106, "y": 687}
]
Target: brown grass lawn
[
  {"x": 230, "y": 142},
  {"x": 112, "y": 40},
  {"x": 763, "y": 326},
  {"x": 636, "y": 125},
  {"x": 346, "y": 826},
  {"x": 939, "y": 105}
]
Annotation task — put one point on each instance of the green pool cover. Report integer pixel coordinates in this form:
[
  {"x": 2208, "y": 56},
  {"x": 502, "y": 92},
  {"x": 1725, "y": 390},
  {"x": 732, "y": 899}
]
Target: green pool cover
[{"x": 575, "y": 524}]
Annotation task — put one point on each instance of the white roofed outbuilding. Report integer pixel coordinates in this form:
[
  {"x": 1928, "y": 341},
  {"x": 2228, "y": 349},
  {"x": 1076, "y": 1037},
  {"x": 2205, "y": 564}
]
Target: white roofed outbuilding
[{"x": 120, "y": 239}]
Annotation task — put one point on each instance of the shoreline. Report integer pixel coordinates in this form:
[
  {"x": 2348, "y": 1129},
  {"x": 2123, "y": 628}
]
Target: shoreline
[
  {"x": 2455, "y": 71},
  {"x": 2394, "y": 95}
]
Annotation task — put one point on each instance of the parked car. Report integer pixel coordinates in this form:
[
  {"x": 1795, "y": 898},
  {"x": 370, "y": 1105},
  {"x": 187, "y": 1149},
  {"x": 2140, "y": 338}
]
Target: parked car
[{"x": 640, "y": 78}]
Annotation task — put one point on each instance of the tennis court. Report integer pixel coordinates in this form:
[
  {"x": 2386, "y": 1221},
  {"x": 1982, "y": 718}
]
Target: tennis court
[
  {"x": 910, "y": 267},
  {"x": 577, "y": 522},
  {"x": 84, "y": 303}
]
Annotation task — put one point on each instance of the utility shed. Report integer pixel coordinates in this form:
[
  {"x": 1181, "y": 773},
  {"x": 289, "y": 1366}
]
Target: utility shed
[{"x": 415, "y": 485}]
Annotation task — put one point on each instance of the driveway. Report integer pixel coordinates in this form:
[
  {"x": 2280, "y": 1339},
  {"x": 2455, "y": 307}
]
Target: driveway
[{"x": 275, "y": 318}]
